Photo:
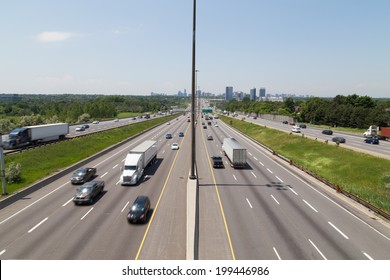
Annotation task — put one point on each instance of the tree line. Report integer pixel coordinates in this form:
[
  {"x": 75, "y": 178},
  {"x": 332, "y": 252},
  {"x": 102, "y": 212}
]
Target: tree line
[
  {"x": 346, "y": 111},
  {"x": 41, "y": 109}
]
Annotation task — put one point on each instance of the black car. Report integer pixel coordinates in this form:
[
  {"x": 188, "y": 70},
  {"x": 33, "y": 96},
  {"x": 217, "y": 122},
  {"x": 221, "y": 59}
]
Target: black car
[
  {"x": 88, "y": 192},
  {"x": 338, "y": 139},
  {"x": 217, "y": 162},
  {"x": 327, "y": 132},
  {"x": 372, "y": 140},
  {"x": 285, "y": 122},
  {"x": 83, "y": 175},
  {"x": 139, "y": 210},
  {"x": 168, "y": 136},
  {"x": 204, "y": 126},
  {"x": 302, "y": 125}
]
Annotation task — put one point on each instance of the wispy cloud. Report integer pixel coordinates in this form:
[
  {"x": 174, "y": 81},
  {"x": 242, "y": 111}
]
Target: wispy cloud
[{"x": 48, "y": 37}]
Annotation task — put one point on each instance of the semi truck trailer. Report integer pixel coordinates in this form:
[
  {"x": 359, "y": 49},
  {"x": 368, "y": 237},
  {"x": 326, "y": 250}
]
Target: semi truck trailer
[
  {"x": 235, "y": 152},
  {"x": 382, "y": 133},
  {"x": 33, "y": 135},
  {"x": 137, "y": 160}
]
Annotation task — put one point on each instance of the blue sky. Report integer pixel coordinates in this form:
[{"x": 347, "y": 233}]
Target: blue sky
[{"x": 314, "y": 47}]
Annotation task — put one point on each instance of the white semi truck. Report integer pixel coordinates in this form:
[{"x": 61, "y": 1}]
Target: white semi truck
[
  {"x": 235, "y": 152},
  {"x": 137, "y": 160},
  {"x": 32, "y": 135}
]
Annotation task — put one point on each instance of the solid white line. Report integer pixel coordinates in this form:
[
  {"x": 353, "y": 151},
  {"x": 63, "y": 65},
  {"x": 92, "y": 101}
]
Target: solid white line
[
  {"x": 115, "y": 166},
  {"x": 124, "y": 207},
  {"x": 291, "y": 189},
  {"x": 276, "y": 252},
  {"x": 270, "y": 171},
  {"x": 66, "y": 203},
  {"x": 2, "y": 252},
  {"x": 322, "y": 255},
  {"x": 368, "y": 256},
  {"x": 86, "y": 214},
  {"x": 279, "y": 179},
  {"x": 261, "y": 163},
  {"x": 275, "y": 199},
  {"x": 250, "y": 205},
  {"x": 346, "y": 237},
  {"x": 44, "y": 220},
  {"x": 103, "y": 175},
  {"x": 255, "y": 158},
  {"x": 253, "y": 174},
  {"x": 28, "y": 206},
  {"x": 117, "y": 183},
  {"x": 308, "y": 204},
  {"x": 234, "y": 177}
]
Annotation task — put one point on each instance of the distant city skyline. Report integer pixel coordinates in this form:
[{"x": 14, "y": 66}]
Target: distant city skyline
[{"x": 129, "y": 47}]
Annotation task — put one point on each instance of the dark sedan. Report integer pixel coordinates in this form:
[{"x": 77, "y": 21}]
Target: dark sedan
[
  {"x": 327, "y": 132},
  {"x": 88, "y": 192},
  {"x": 338, "y": 139},
  {"x": 217, "y": 162},
  {"x": 139, "y": 210},
  {"x": 168, "y": 136},
  {"x": 83, "y": 175},
  {"x": 372, "y": 140}
]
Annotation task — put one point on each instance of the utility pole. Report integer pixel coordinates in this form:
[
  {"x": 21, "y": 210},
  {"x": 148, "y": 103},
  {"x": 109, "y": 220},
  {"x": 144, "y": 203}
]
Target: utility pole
[
  {"x": 192, "y": 175},
  {"x": 2, "y": 166}
]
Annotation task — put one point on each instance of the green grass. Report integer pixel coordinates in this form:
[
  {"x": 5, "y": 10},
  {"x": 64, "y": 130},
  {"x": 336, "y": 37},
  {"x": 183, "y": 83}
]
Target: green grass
[
  {"x": 128, "y": 115},
  {"x": 360, "y": 174},
  {"x": 43, "y": 161}
]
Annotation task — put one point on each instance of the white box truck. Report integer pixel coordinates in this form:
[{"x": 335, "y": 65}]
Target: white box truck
[
  {"x": 32, "y": 135},
  {"x": 137, "y": 160},
  {"x": 235, "y": 152}
]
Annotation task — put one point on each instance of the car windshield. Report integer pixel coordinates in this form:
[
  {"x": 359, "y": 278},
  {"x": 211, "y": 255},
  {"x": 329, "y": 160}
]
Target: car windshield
[
  {"x": 130, "y": 167},
  {"x": 80, "y": 172},
  {"x": 84, "y": 189},
  {"x": 137, "y": 207}
]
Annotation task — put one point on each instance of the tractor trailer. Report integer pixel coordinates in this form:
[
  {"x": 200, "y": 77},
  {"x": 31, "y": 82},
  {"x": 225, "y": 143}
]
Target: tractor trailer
[
  {"x": 33, "y": 135},
  {"x": 235, "y": 152},
  {"x": 136, "y": 161},
  {"x": 382, "y": 133}
]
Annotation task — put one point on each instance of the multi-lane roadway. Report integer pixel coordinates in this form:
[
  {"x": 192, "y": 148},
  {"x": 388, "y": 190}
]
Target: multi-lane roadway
[
  {"x": 353, "y": 141},
  {"x": 265, "y": 211}
]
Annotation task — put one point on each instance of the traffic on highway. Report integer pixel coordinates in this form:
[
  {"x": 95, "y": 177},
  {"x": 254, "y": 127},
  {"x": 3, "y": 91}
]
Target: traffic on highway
[{"x": 263, "y": 210}]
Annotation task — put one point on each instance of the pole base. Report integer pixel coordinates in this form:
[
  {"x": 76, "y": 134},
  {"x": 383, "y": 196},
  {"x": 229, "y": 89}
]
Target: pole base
[{"x": 192, "y": 177}]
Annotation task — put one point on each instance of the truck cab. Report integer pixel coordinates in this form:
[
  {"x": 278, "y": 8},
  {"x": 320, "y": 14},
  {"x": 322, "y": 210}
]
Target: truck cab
[
  {"x": 371, "y": 131},
  {"x": 16, "y": 138},
  {"x": 132, "y": 170}
]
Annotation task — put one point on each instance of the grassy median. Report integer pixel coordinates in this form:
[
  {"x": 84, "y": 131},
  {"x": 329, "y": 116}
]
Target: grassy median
[
  {"x": 45, "y": 160},
  {"x": 361, "y": 174}
]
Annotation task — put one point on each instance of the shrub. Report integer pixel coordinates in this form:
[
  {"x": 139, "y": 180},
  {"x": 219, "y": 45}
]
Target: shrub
[{"x": 12, "y": 173}]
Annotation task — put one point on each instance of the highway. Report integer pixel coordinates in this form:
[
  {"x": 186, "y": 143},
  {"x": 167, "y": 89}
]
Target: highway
[
  {"x": 353, "y": 141},
  {"x": 265, "y": 211}
]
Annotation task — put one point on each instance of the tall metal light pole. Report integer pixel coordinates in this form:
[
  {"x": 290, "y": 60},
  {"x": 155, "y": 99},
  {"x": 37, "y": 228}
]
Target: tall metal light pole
[
  {"x": 197, "y": 95},
  {"x": 2, "y": 167},
  {"x": 192, "y": 174}
]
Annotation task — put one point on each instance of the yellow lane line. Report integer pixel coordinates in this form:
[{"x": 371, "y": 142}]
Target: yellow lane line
[
  {"x": 219, "y": 200},
  {"x": 159, "y": 198}
]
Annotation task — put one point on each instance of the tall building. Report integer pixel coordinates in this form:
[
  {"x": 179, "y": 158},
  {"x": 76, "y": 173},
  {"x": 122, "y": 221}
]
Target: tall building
[
  {"x": 262, "y": 92},
  {"x": 229, "y": 93},
  {"x": 252, "y": 94}
]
